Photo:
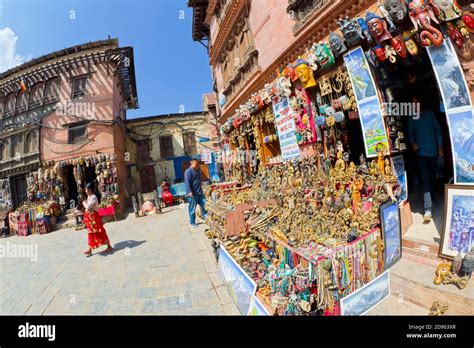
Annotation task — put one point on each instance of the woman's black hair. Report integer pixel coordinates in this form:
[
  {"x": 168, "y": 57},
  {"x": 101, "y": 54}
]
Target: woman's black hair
[{"x": 90, "y": 186}]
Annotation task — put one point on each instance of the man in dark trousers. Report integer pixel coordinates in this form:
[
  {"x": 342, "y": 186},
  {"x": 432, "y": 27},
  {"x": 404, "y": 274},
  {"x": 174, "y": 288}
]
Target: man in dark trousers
[
  {"x": 427, "y": 141},
  {"x": 194, "y": 193}
]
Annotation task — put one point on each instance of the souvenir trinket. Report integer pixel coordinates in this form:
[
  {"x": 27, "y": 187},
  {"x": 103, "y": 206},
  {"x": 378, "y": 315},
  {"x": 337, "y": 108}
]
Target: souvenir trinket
[
  {"x": 421, "y": 15},
  {"x": 442, "y": 270},
  {"x": 446, "y": 10},
  {"x": 337, "y": 44},
  {"x": 378, "y": 27},
  {"x": 438, "y": 309},
  {"x": 396, "y": 9},
  {"x": 304, "y": 73},
  {"x": 325, "y": 86},
  {"x": 455, "y": 35},
  {"x": 391, "y": 54}
]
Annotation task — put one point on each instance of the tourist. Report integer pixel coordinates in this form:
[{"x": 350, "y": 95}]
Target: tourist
[
  {"x": 194, "y": 193},
  {"x": 427, "y": 141},
  {"x": 97, "y": 235}
]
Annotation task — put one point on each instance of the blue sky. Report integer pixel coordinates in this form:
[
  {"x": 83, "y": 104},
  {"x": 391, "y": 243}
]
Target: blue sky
[{"x": 171, "y": 69}]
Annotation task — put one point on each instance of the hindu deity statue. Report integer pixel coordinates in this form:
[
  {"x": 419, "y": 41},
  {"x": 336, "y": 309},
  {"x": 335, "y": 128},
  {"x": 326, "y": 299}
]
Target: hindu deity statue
[
  {"x": 446, "y": 10},
  {"x": 378, "y": 27},
  {"x": 304, "y": 73},
  {"x": 351, "y": 31},
  {"x": 324, "y": 55},
  {"x": 410, "y": 43},
  {"x": 421, "y": 15},
  {"x": 396, "y": 9},
  {"x": 337, "y": 44}
]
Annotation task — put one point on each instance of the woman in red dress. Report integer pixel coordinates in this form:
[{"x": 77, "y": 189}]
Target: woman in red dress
[{"x": 96, "y": 232}]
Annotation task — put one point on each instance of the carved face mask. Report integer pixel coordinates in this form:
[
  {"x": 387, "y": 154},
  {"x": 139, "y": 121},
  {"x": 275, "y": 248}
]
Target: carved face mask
[
  {"x": 380, "y": 53},
  {"x": 324, "y": 55},
  {"x": 396, "y": 9},
  {"x": 446, "y": 10},
  {"x": 399, "y": 46},
  {"x": 337, "y": 44},
  {"x": 304, "y": 73},
  {"x": 351, "y": 31},
  {"x": 378, "y": 27},
  {"x": 410, "y": 43}
]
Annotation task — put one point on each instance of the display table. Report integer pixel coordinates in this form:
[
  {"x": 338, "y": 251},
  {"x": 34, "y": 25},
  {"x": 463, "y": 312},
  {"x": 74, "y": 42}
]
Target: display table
[{"x": 110, "y": 210}]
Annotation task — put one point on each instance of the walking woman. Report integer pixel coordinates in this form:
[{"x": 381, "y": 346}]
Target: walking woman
[{"x": 96, "y": 232}]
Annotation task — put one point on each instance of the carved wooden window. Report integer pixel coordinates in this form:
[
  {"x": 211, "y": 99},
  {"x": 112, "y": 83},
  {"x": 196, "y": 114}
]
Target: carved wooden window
[
  {"x": 189, "y": 141},
  {"x": 52, "y": 89},
  {"x": 36, "y": 94},
  {"x": 166, "y": 146},
  {"x": 303, "y": 10},
  {"x": 238, "y": 47},
  {"x": 2, "y": 106},
  {"x": 31, "y": 142},
  {"x": 79, "y": 86},
  {"x": 21, "y": 102},
  {"x": 77, "y": 132},
  {"x": 15, "y": 147},
  {"x": 10, "y": 104}
]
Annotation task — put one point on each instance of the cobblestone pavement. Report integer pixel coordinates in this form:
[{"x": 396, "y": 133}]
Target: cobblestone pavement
[{"x": 160, "y": 266}]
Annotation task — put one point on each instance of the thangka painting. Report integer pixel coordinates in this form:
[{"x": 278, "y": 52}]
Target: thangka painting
[{"x": 373, "y": 127}]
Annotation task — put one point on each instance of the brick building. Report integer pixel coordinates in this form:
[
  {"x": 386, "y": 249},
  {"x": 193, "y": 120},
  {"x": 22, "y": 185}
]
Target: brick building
[
  {"x": 162, "y": 146},
  {"x": 58, "y": 110}
]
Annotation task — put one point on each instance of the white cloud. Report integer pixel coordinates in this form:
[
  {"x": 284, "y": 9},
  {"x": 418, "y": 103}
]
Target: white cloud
[{"x": 8, "y": 56}]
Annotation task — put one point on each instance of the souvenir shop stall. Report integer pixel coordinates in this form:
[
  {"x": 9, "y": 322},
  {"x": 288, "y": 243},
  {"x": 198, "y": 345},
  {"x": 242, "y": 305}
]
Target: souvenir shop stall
[
  {"x": 60, "y": 186},
  {"x": 5, "y": 202},
  {"x": 316, "y": 221}
]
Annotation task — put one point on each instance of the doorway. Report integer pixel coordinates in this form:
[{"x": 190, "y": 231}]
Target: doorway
[
  {"x": 148, "y": 179},
  {"x": 19, "y": 190},
  {"x": 72, "y": 193}
]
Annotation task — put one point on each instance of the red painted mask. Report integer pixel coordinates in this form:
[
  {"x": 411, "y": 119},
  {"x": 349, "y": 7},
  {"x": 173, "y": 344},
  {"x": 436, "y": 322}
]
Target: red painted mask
[
  {"x": 468, "y": 20},
  {"x": 400, "y": 47},
  {"x": 380, "y": 53}
]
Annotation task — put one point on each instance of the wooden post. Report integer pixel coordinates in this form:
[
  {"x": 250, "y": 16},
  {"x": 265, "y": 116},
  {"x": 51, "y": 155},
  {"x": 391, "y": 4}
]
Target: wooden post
[
  {"x": 140, "y": 200},
  {"x": 135, "y": 205},
  {"x": 157, "y": 202}
]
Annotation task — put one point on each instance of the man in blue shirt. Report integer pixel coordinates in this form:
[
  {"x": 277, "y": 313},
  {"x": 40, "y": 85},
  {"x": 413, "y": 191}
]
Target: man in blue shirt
[
  {"x": 427, "y": 141},
  {"x": 194, "y": 193}
]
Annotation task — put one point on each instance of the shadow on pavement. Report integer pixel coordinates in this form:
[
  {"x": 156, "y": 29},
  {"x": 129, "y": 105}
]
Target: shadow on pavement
[{"x": 123, "y": 245}]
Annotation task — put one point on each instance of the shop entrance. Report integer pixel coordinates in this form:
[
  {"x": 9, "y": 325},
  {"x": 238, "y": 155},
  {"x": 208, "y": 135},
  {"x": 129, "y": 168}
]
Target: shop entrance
[
  {"x": 73, "y": 196},
  {"x": 417, "y": 78}
]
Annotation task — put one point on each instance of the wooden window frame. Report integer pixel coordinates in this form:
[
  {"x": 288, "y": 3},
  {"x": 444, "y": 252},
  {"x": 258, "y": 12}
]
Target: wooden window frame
[{"x": 164, "y": 155}]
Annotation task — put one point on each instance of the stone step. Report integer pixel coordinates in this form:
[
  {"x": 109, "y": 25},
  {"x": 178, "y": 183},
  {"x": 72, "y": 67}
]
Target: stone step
[{"x": 420, "y": 247}]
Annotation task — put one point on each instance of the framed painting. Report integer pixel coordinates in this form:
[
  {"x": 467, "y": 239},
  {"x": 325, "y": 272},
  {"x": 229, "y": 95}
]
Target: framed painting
[
  {"x": 391, "y": 233},
  {"x": 458, "y": 230}
]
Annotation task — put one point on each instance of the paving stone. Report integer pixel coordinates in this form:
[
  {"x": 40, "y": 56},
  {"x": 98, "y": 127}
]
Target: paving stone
[
  {"x": 146, "y": 293},
  {"x": 224, "y": 295}
]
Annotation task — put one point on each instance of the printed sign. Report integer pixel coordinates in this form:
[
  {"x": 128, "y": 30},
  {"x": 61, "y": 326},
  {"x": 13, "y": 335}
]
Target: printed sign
[
  {"x": 206, "y": 156},
  {"x": 285, "y": 123},
  {"x": 241, "y": 287}
]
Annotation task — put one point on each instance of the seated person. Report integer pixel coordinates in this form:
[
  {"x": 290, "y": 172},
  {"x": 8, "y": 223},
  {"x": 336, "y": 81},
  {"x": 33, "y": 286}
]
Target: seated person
[{"x": 165, "y": 193}]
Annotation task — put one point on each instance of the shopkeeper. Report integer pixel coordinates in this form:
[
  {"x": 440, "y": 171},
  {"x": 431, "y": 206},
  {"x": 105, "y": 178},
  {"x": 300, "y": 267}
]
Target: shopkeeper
[{"x": 426, "y": 140}]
